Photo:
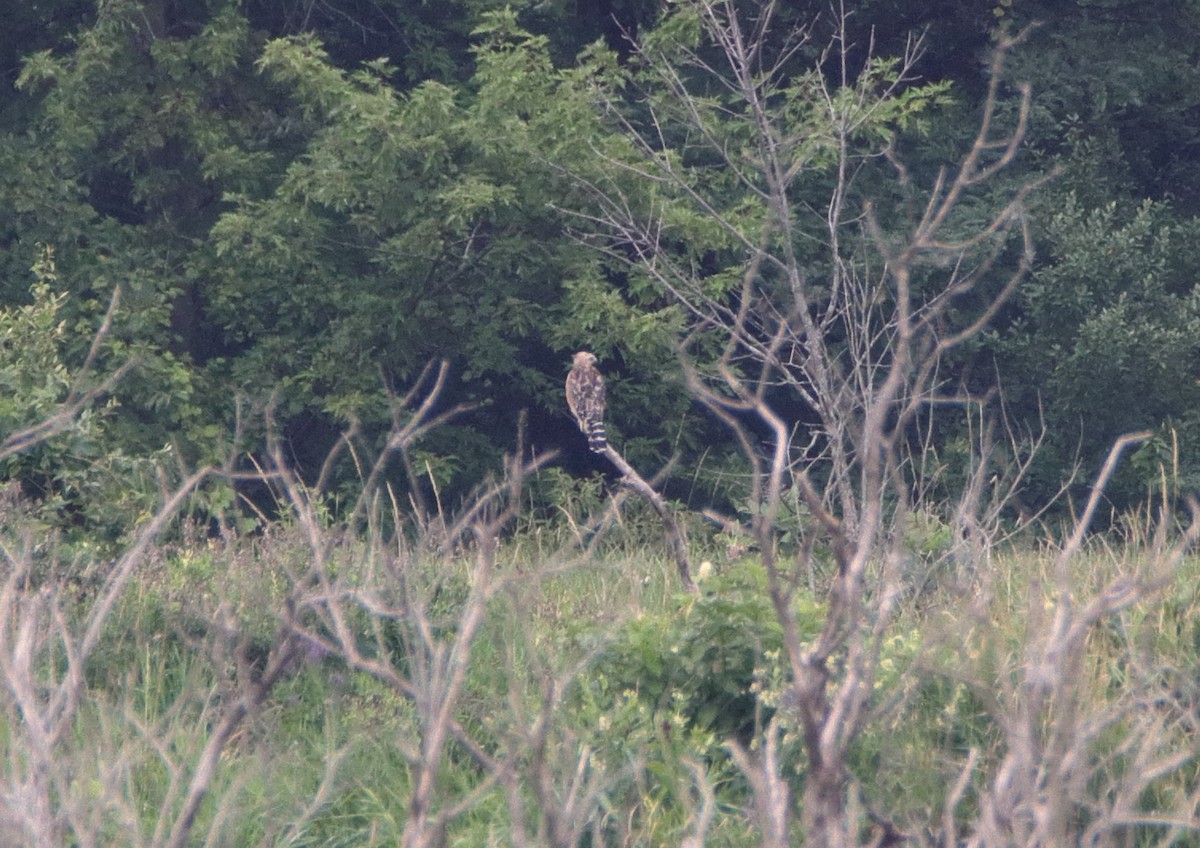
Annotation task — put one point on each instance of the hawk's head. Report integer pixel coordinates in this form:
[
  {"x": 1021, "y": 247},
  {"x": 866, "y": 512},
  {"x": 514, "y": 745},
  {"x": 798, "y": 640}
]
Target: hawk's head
[{"x": 584, "y": 358}]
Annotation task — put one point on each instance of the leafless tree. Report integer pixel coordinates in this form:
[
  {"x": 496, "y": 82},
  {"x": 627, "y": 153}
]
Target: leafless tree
[{"x": 859, "y": 345}]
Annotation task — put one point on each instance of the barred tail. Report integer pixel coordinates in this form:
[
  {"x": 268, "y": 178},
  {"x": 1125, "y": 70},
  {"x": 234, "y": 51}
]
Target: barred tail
[{"x": 596, "y": 438}]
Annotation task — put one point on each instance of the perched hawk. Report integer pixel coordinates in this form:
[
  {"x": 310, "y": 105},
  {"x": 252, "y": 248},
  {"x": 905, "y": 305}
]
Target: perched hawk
[{"x": 585, "y": 396}]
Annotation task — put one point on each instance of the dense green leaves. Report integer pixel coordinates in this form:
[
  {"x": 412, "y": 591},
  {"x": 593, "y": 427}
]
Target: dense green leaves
[
  {"x": 290, "y": 216},
  {"x": 1108, "y": 339},
  {"x": 34, "y": 381}
]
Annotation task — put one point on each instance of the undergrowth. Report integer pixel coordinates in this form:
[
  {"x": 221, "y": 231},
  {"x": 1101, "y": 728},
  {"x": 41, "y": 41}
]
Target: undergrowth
[{"x": 658, "y": 683}]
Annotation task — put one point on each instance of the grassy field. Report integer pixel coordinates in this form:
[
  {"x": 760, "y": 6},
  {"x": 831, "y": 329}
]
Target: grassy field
[{"x": 590, "y": 702}]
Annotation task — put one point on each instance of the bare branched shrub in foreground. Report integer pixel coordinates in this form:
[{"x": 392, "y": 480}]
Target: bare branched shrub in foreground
[
  {"x": 48, "y": 640},
  {"x": 56, "y": 632},
  {"x": 1074, "y": 768},
  {"x": 45, "y": 649},
  {"x": 847, "y": 308},
  {"x": 163, "y": 757},
  {"x": 379, "y": 607},
  {"x": 77, "y": 752}
]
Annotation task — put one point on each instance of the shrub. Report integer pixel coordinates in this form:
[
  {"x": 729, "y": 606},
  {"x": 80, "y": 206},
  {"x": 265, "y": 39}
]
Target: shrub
[{"x": 706, "y": 656}]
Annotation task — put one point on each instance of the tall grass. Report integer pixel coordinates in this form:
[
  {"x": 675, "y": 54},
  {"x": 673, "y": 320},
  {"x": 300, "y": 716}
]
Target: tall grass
[{"x": 637, "y": 685}]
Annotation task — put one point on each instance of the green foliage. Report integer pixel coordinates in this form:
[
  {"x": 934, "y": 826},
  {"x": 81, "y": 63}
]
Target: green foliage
[
  {"x": 1110, "y": 333},
  {"x": 284, "y": 227},
  {"x": 1135, "y": 99},
  {"x": 1101, "y": 341},
  {"x": 927, "y": 536},
  {"x": 705, "y": 658},
  {"x": 566, "y": 498},
  {"x": 34, "y": 380},
  {"x": 75, "y": 476},
  {"x": 122, "y": 167},
  {"x": 286, "y": 211},
  {"x": 432, "y": 210}
]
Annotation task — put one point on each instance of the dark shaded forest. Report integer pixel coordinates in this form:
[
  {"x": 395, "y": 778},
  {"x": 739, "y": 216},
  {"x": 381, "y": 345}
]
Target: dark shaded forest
[{"x": 303, "y": 204}]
